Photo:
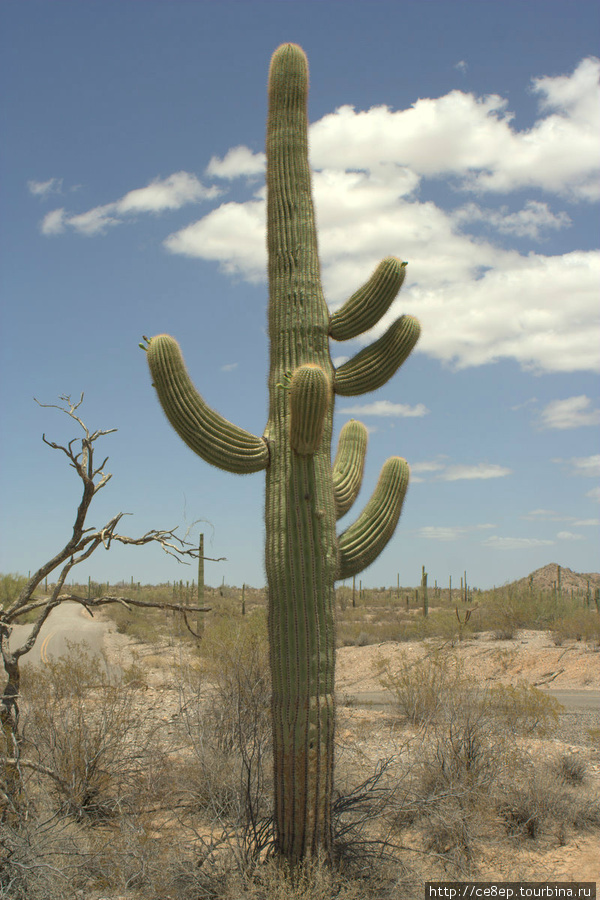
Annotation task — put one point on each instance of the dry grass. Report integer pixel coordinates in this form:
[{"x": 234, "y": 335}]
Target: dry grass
[{"x": 160, "y": 786}]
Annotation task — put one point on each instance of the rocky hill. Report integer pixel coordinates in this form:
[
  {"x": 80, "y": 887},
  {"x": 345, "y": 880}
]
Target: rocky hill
[{"x": 545, "y": 578}]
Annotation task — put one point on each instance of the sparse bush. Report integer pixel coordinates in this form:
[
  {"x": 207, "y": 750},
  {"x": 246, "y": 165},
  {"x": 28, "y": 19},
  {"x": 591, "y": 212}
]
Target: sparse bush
[
  {"x": 225, "y": 723},
  {"x": 87, "y": 736},
  {"x": 421, "y": 687},
  {"x": 577, "y": 625},
  {"x": 523, "y": 708},
  {"x": 11, "y": 586},
  {"x": 572, "y": 768}
]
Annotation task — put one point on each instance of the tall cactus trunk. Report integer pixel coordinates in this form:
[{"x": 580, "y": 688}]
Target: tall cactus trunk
[
  {"x": 301, "y": 548},
  {"x": 305, "y": 494}
]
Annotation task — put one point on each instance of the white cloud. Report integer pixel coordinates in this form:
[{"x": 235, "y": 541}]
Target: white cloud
[
  {"x": 594, "y": 494},
  {"x": 44, "y": 188},
  {"x": 527, "y": 222},
  {"x": 234, "y": 235},
  {"x": 441, "y": 533},
  {"x": 386, "y": 408},
  {"x": 515, "y": 543},
  {"x": 549, "y": 515},
  {"x": 450, "y": 532},
  {"x": 432, "y": 466},
  {"x": 237, "y": 162},
  {"x": 445, "y": 472},
  {"x": 569, "y": 536},
  {"x": 160, "y": 195},
  {"x": 53, "y": 222},
  {"x": 229, "y": 367},
  {"x": 339, "y": 360},
  {"x": 481, "y": 470},
  {"x": 478, "y": 302},
  {"x": 537, "y": 515},
  {"x": 588, "y": 466},
  {"x": 169, "y": 193},
  {"x": 473, "y": 138},
  {"x": 462, "y": 66},
  {"x": 570, "y": 413}
]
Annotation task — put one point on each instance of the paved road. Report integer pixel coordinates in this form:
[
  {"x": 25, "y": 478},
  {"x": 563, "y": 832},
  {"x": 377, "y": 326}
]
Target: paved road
[
  {"x": 572, "y": 700},
  {"x": 68, "y": 622},
  {"x": 71, "y": 622}
]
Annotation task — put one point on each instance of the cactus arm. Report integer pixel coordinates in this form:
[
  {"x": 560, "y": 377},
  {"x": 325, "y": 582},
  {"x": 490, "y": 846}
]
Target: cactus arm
[
  {"x": 376, "y": 364},
  {"x": 310, "y": 400},
  {"x": 363, "y": 541},
  {"x": 349, "y": 465},
  {"x": 205, "y": 431},
  {"x": 366, "y": 307}
]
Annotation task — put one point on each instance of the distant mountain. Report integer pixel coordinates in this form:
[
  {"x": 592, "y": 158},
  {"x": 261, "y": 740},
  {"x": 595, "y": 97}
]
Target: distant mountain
[{"x": 545, "y": 578}]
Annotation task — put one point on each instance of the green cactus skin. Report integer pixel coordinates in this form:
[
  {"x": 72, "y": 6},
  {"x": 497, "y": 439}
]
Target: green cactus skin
[
  {"x": 349, "y": 465},
  {"x": 305, "y": 494},
  {"x": 366, "y": 307}
]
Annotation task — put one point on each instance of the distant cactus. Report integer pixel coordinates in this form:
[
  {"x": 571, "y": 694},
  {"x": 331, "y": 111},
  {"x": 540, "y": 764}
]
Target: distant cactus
[{"x": 305, "y": 494}]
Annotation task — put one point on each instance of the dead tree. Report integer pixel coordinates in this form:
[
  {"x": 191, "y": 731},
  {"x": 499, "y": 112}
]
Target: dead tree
[{"x": 82, "y": 544}]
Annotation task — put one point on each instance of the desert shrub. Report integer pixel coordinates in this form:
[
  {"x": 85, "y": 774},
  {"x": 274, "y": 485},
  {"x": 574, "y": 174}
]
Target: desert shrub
[
  {"x": 572, "y": 768},
  {"x": 421, "y": 687},
  {"x": 523, "y": 708},
  {"x": 87, "y": 736},
  {"x": 534, "y": 801},
  {"x": 224, "y": 721},
  {"x": 11, "y": 586},
  {"x": 578, "y": 624}
]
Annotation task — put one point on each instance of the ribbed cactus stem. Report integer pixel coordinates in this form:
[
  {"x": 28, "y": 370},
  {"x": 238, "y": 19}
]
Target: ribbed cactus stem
[
  {"x": 205, "y": 431},
  {"x": 310, "y": 401},
  {"x": 361, "y": 544},
  {"x": 304, "y": 492},
  {"x": 349, "y": 465},
  {"x": 366, "y": 307},
  {"x": 376, "y": 364}
]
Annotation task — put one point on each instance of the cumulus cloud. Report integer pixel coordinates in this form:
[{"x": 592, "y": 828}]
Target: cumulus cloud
[
  {"x": 473, "y": 138},
  {"x": 441, "y": 533},
  {"x": 159, "y": 196},
  {"x": 530, "y": 221},
  {"x": 588, "y": 466},
  {"x": 443, "y": 472},
  {"x": 234, "y": 235},
  {"x": 450, "y": 532},
  {"x": 570, "y": 413},
  {"x": 478, "y": 302},
  {"x": 548, "y": 515},
  {"x": 481, "y": 470},
  {"x": 53, "y": 222},
  {"x": 515, "y": 543},
  {"x": 237, "y": 162},
  {"x": 387, "y": 409},
  {"x": 45, "y": 188}
]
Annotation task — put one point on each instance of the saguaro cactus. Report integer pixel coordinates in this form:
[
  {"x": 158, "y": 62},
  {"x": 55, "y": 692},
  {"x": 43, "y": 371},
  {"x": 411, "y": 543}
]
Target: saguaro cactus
[{"x": 305, "y": 494}]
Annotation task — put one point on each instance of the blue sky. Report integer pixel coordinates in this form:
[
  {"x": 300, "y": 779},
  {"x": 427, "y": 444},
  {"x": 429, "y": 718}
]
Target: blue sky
[{"x": 460, "y": 136}]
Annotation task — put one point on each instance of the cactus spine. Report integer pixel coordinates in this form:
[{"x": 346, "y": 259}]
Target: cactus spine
[{"x": 305, "y": 494}]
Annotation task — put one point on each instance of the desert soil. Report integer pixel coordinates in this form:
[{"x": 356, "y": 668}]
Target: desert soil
[{"x": 370, "y": 735}]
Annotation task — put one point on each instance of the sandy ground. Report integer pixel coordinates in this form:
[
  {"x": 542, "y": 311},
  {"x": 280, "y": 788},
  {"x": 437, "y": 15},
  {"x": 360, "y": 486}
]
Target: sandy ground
[
  {"x": 370, "y": 735},
  {"x": 531, "y": 656}
]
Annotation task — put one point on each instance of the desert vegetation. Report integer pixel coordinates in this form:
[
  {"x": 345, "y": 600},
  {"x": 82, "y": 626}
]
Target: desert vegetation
[{"x": 153, "y": 778}]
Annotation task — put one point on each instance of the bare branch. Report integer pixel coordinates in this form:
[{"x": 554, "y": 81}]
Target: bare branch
[{"x": 130, "y": 601}]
